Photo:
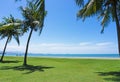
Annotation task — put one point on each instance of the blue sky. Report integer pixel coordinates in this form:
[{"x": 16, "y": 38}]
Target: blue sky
[{"x": 62, "y": 32}]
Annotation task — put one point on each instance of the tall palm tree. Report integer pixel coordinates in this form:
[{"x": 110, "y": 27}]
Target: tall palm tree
[
  {"x": 33, "y": 20},
  {"x": 106, "y": 10},
  {"x": 10, "y": 28}
]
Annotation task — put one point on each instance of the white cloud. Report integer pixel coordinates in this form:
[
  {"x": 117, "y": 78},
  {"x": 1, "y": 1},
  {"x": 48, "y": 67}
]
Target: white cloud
[
  {"x": 84, "y": 47},
  {"x": 104, "y": 44},
  {"x": 85, "y": 43}
]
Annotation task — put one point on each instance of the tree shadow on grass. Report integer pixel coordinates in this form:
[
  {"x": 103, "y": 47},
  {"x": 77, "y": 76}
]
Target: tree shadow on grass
[
  {"x": 115, "y": 75},
  {"x": 8, "y": 61},
  {"x": 28, "y": 69}
]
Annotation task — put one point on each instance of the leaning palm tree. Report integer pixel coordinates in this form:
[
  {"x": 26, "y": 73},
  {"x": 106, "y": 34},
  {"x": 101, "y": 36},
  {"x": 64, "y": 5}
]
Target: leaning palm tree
[
  {"x": 33, "y": 20},
  {"x": 106, "y": 10},
  {"x": 10, "y": 28}
]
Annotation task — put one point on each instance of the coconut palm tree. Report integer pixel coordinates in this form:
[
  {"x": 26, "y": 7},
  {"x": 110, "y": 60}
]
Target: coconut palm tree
[
  {"x": 33, "y": 21},
  {"x": 10, "y": 28},
  {"x": 106, "y": 10}
]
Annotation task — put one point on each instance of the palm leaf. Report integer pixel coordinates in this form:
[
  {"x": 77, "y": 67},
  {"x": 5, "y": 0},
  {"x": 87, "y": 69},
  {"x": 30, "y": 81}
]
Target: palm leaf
[
  {"x": 16, "y": 37},
  {"x": 80, "y": 2},
  {"x": 10, "y": 27},
  {"x": 34, "y": 15}
]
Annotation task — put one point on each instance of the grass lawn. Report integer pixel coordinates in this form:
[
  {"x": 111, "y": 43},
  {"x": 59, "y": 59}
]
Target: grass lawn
[{"x": 59, "y": 70}]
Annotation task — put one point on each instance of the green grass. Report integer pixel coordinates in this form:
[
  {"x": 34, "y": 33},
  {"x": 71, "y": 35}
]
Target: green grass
[{"x": 59, "y": 70}]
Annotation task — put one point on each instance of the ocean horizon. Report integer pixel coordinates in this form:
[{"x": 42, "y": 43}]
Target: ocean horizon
[{"x": 66, "y": 55}]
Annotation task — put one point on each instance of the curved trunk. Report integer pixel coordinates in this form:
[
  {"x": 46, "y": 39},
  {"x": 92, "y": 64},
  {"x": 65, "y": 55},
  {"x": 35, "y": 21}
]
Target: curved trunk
[
  {"x": 4, "y": 50},
  {"x": 26, "y": 52},
  {"x": 117, "y": 26},
  {"x": 118, "y": 35}
]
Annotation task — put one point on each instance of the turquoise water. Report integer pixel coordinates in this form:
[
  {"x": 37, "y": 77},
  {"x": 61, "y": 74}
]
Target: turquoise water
[
  {"x": 65, "y": 55},
  {"x": 75, "y": 55}
]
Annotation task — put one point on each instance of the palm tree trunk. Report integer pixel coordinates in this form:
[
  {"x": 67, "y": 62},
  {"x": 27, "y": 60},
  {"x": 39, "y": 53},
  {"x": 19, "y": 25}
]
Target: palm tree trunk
[
  {"x": 117, "y": 25},
  {"x": 118, "y": 34},
  {"x": 26, "y": 52},
  {"x": 4, "y": 50}
]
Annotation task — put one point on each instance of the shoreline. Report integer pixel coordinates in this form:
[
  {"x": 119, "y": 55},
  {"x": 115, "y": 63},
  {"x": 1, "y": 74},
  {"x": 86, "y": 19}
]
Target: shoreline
[{"x": 108, "y": 58}]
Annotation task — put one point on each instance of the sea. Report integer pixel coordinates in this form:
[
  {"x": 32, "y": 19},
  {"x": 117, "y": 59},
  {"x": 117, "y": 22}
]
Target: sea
[{"x": 66, "y": 55}]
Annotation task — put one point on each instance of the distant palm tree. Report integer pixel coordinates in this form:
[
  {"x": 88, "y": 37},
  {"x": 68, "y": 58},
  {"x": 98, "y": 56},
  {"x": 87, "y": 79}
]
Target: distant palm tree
[
  {"x": 106, "y": 10},
  {"x": 33, "y": 20},
  {"x": 10, "y": 28}
]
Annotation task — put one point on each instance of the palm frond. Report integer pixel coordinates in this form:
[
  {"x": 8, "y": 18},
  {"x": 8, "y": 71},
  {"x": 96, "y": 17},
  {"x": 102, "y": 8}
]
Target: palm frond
[
  {"x": 16, "y": 37},
  {"x": 105, "y": 19},
  {"x": 34, "y": 14},
  {"x": 101, "y": 8},
  {"x": 80, "y": 2},
  {"x": 10, "y": 38},
  {"x": 2, "y": 36},
  {"x": 92, "y": 8},
  {"x": 10, "y": 27}
]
